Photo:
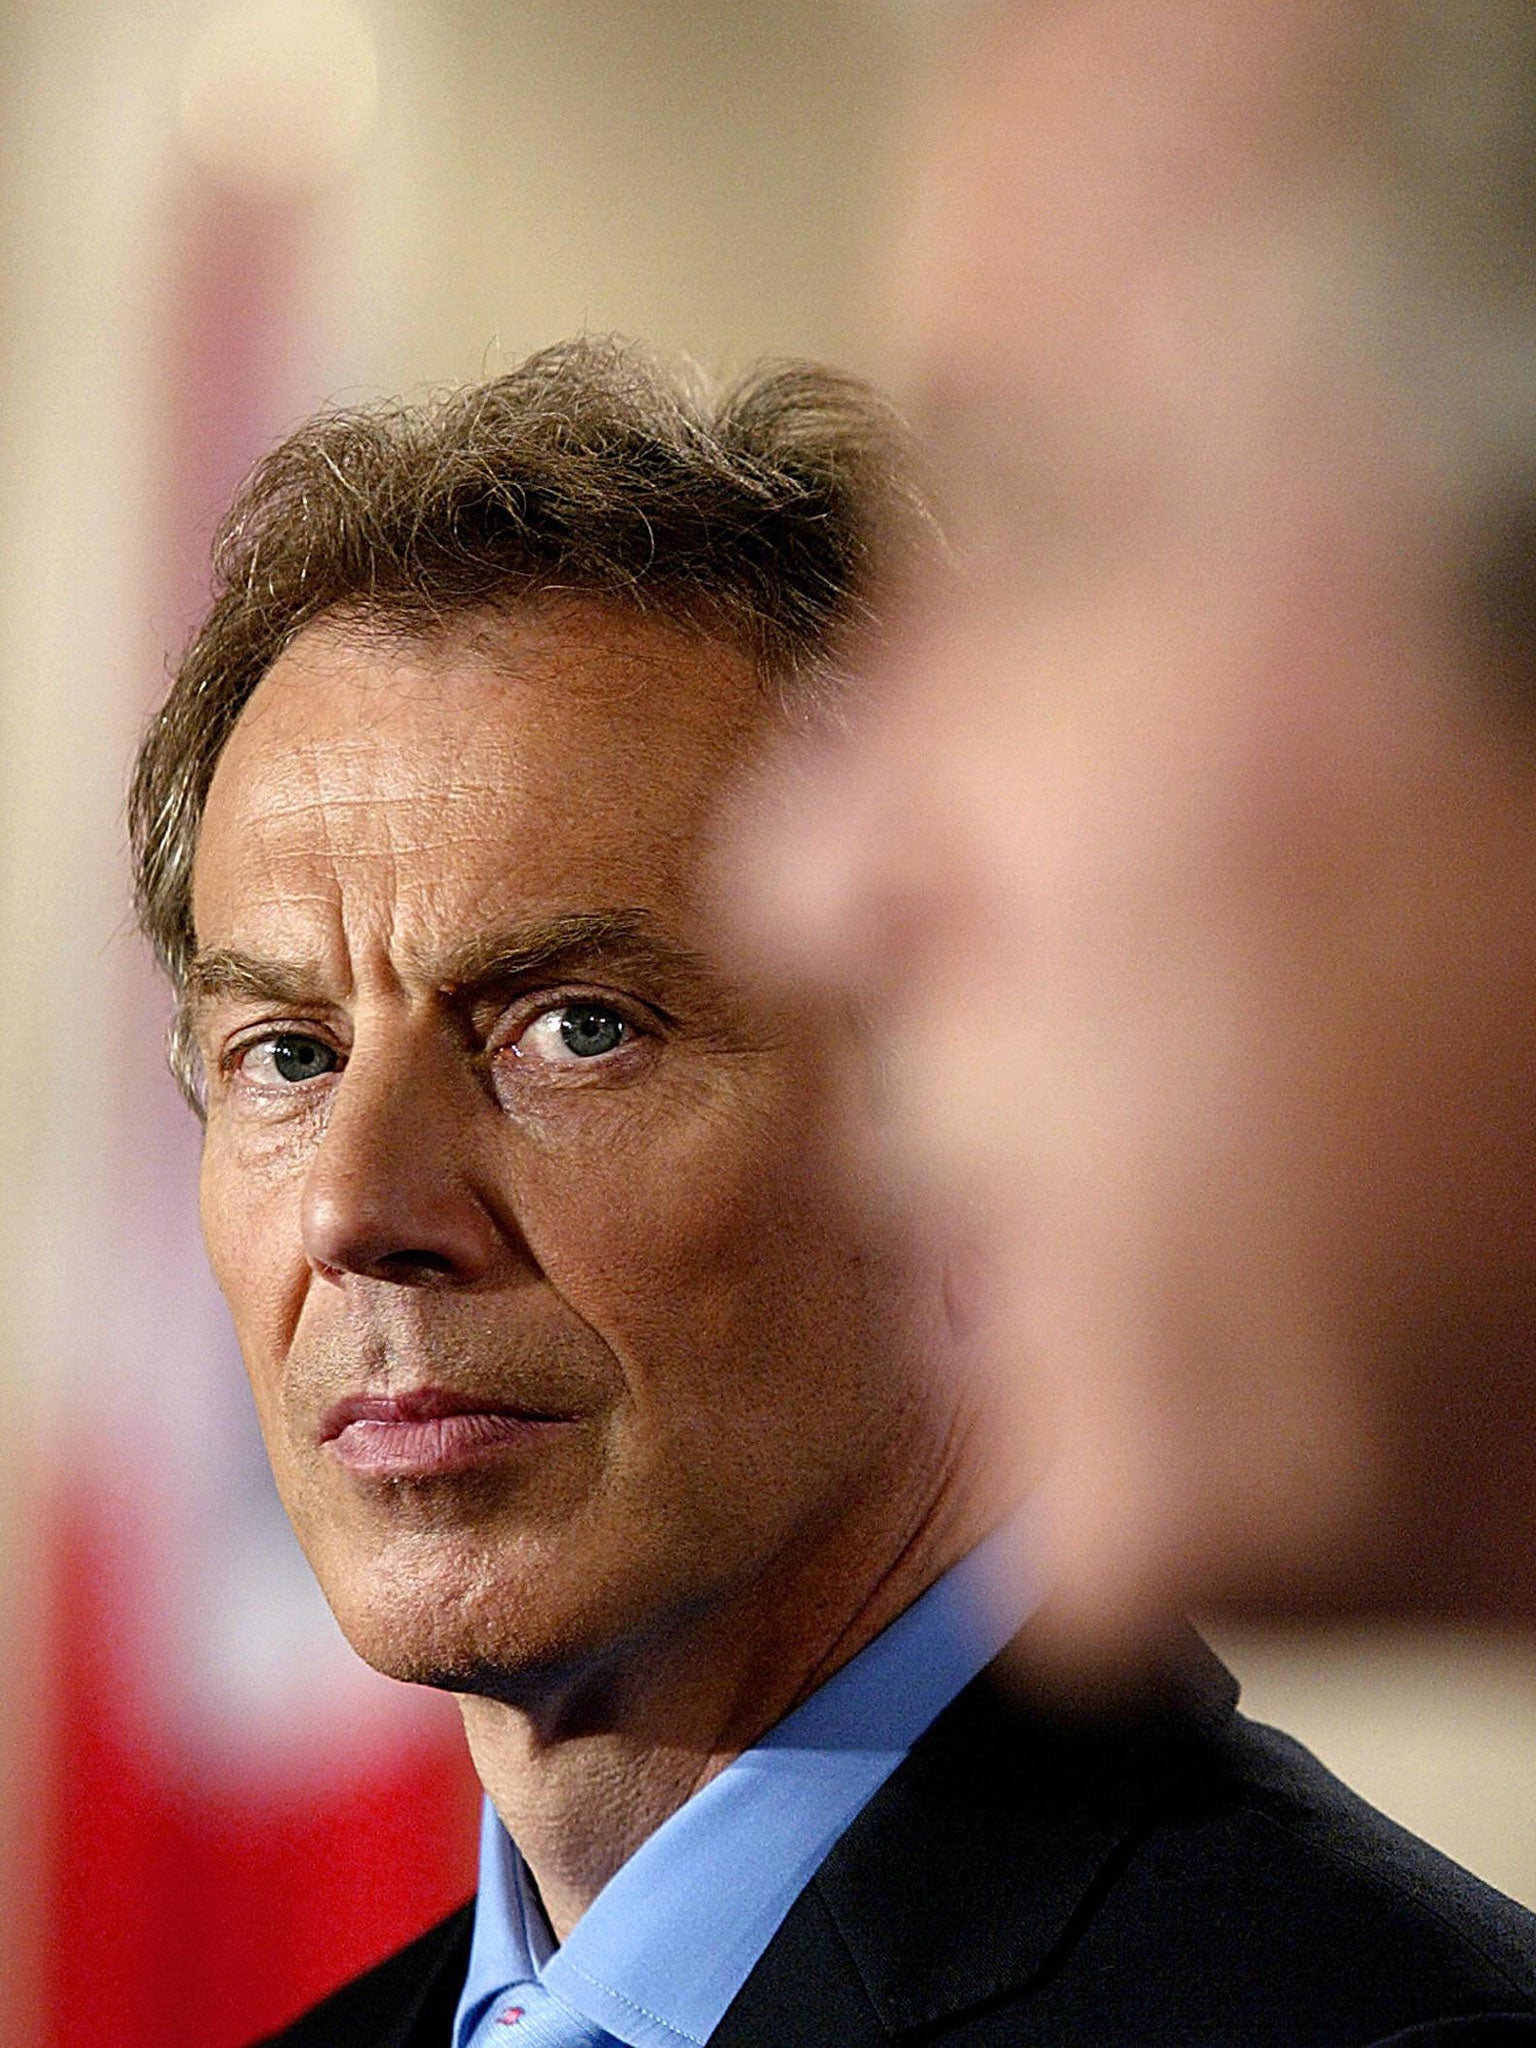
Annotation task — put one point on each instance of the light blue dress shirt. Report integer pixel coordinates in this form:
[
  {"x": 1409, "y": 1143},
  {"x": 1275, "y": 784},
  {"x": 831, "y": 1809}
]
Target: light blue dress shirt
[{"x": 672, "y": 1937}]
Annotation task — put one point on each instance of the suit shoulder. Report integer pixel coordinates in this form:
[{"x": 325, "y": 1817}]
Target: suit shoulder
[
  {"x": 1178, "y": 1875},
  {"x": 1349, "y": 1849},
  {"x": 1481, "y": 2030},
  {"x": 407, "y": 2001},
  {"x": 1251, "y": 1865},
  {"x": 1274, "y": 1844}
]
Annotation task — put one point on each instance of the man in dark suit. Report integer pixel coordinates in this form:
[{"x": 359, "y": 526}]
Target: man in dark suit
[
  {"x": 593, "y": 1396},
  {"x": 1190, "y": 1878}
]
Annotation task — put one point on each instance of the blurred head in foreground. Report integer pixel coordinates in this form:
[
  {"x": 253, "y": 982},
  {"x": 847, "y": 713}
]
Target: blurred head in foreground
[{"x": 1187, "y": 854}]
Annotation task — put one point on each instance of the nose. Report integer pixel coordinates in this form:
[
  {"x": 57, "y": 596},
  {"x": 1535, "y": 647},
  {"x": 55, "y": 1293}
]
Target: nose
[
  {"x": 798, "y": 878},
  {"x": 393, "y": 1192},
  {"x": 854, "y": 865},
  {"x": 858, "y": 879}
]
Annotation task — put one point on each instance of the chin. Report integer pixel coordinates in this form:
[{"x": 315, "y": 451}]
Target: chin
[
  {"x": 466, "y": 1623},
  {"x": 454, "y": 1646}
]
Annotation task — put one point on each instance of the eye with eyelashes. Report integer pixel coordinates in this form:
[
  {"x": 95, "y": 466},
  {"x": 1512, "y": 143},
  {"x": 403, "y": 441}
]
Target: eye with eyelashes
[
  {"x": 573, "y": 1033},
  {"x": 572, "y": 1039},
  {"x": 284, "y": 1059}
]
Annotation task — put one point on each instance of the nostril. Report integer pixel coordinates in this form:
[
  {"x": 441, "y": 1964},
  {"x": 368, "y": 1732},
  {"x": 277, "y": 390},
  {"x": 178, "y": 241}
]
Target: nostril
[{"x": 413, "y": 1267}]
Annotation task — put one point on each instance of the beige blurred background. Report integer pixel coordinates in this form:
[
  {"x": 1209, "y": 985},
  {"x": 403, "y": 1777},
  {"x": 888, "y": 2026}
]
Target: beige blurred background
[{"x": 712, "y": 177}]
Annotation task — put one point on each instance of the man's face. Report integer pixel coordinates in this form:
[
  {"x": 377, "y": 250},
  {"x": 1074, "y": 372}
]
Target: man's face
[{"x": 558, "y": 1332}]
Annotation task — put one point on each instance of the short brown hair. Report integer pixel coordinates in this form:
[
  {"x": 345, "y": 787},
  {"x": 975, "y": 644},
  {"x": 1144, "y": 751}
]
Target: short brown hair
[{"x": 767, "y": 514}]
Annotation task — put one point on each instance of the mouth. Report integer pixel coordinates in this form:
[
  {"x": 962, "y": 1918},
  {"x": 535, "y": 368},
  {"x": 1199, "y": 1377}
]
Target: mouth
[{"x": 431, "y": 1431}]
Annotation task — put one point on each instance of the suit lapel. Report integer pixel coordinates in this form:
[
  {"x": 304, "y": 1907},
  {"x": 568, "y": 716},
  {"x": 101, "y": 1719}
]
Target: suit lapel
[
  {"x": 807, "y": 1990},
  {"x": 971, "y": 1867},
  {"x": 429, "y": 2021},
  {"x": 416, "y": 2009}
]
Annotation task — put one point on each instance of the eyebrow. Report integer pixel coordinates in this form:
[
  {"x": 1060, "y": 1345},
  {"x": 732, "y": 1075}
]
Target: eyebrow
[
  {"x": 625, "y": 940},
  {"x": 220, "y": 973}
]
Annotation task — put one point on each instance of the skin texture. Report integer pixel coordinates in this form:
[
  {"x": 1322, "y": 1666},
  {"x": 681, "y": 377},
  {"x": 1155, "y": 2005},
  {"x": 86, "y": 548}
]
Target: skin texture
[
  {"x": 1184, "y": 855},
  {"x": 415, "y": 858}
]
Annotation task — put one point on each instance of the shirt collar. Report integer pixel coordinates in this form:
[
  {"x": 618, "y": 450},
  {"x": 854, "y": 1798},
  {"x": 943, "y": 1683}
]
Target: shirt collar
[{"x": 672, "y": 1937}]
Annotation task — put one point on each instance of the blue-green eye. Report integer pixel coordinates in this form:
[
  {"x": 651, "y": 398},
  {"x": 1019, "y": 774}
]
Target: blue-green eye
[
  {"x": 295, "y": 1058},
  {"x": 587, "y": 1029},
  {"x": 574, "y": 1034}
]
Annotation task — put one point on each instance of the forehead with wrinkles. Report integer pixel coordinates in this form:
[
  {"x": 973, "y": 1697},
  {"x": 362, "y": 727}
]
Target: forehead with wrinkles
[{"x": 417, "y": 792}]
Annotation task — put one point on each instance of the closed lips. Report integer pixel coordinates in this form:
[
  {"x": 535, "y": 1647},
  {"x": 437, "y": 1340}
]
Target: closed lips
[{"x": 428, "y": 1431}]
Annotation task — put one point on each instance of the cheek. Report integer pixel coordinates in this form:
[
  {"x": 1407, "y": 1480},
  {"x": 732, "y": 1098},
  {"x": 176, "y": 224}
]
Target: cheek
[
  {"x": 250, "y": 1228},
  {"x": 666, "y": 1239},
  {"x": 635, "y": 1230}
]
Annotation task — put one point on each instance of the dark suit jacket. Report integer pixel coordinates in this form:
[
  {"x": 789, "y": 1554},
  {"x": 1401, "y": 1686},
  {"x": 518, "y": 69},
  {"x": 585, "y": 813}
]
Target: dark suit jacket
[{"x": 1180, "y": 1878}]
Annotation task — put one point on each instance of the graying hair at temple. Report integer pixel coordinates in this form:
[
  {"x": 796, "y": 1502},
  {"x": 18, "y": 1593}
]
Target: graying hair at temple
[{"x": 769, "y": 514}]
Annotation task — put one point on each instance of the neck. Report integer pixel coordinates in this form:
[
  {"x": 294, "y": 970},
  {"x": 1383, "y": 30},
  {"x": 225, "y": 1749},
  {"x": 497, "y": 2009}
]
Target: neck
[{"x": 584, "y": 1772}]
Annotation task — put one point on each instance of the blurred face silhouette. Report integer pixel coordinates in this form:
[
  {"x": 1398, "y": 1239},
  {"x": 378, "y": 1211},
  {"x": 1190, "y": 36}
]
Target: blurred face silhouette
[
  {"x": 559, "y": 1333},
  {"x": 1169, "y": 860}
]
